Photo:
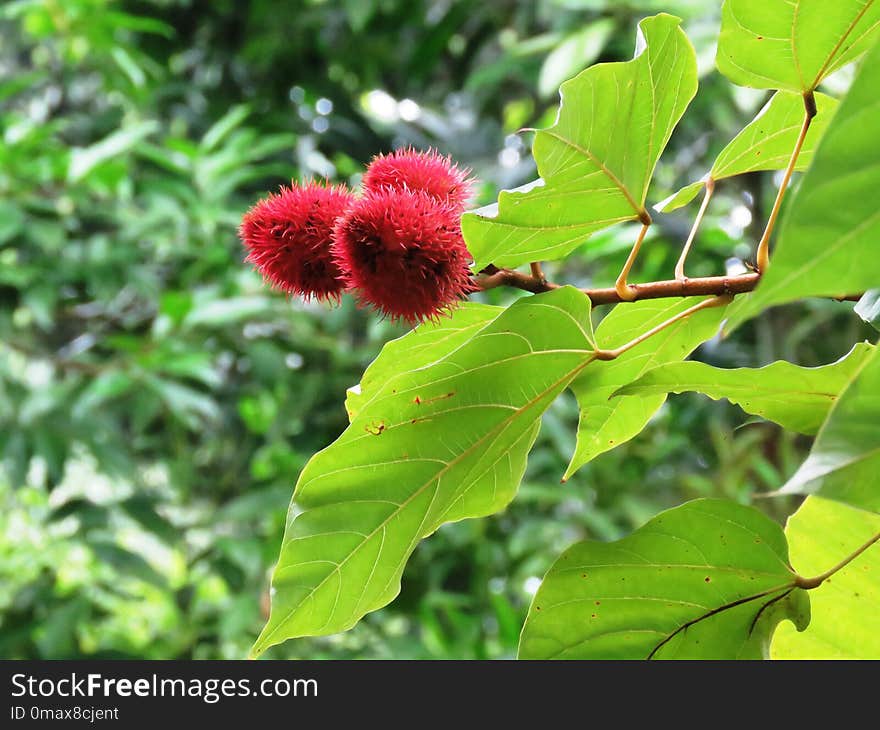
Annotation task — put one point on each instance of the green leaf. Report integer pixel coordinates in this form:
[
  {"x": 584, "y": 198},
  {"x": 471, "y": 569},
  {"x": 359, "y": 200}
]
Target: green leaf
[
  {"x": 190, "y": 406},
  {"x": 597, "y": 160},
  {"x": 793, "y": 45},
  {"x": 868, "y": 307},
  {"x": 224, "y": 126},
  {"x": 573, "y": 54},
  {"x": 795, "y": 397},
  {"x": 438, "y": 443},
  {"x": 680, "y": 198},
  {"x": 845, "y": 459},
  {"x": 130, "y": 564},
  {"x": 765, "y": 143},
  {"x": 12, "y": 220},
  {"x": 140, "y": 23},
  {"x": 101, "y": 388},
  {"x": 844, "y": 623},
  {"x": 85, "y": 159},
  {"x": 359, "y": 13},
  {"x": 606, "y": 423},
  {"x": 828, "y": 238},
  {"x": 707, "y": 580},
  {"x": 224, "y": 312},
  {"x": 418, "y": 348}
]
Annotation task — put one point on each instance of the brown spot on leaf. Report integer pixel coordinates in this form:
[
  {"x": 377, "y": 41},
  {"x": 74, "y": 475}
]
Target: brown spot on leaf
[{"x": 434, "y": 399}]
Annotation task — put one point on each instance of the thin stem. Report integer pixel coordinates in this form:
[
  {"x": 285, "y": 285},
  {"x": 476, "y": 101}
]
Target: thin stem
[
  {"x": 707, "y": 196},
  {"x": 763, "y": 254},
  {"x": 808, "y": 583},
  {"x": 538, "y": 272},
  {"x": 624, "y": 291},
  {"x": 705, "y": 304},
  {"x": 492, "y": 277}
]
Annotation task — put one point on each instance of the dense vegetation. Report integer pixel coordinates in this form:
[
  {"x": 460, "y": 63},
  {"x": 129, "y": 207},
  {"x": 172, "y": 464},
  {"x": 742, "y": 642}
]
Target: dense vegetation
[{"x": 157, "y": 402}]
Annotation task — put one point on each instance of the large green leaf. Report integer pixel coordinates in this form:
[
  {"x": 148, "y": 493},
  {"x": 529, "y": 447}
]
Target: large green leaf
[
  {"x": 828, "y": 238},
  {"x": 765, "y": 143},
  {"x": 597, "y": 160},
  {"x": 437, "y": 443},
  {"x": 707, "y": 580},
  {"x": 844, "y": 463},
  {"x": 795, "y": 397},
  {"x": 844, "y": 609},
  {"x": 793, "y": 44},
  {"x": 418, "y": 348},
  {"x": 606, "y": 423}
]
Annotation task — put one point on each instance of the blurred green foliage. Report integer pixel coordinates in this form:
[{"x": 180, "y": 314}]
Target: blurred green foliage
[{"x": 157, "y": 402}]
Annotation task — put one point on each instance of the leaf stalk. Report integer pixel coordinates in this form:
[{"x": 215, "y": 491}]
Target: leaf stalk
[{"x": 763, "y": 253}]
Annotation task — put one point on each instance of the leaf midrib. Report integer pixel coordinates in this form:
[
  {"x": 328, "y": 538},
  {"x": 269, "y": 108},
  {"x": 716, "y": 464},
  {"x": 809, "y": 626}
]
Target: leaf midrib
[
  {"x": 266, "y": 642},
  {"x": 637, "y": 209},
  {"x": 820, "y": 75}
]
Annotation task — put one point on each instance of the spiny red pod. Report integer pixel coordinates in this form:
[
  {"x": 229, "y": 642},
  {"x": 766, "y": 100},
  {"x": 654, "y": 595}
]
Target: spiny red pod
[
  {"x": 428, "y": 171},
  {"x": 288, "y": 236},
  {"x": 403, "y": 252}
]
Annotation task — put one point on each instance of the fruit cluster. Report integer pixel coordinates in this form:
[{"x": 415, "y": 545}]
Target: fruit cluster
[{"x": 397, "y": 245}]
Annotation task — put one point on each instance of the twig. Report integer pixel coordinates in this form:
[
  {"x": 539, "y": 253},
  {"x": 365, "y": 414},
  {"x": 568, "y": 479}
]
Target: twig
[
  {"x": 538, "y": 272},
  {"x": 709, "y": 285},
  {"x": 494, "y": 277}
]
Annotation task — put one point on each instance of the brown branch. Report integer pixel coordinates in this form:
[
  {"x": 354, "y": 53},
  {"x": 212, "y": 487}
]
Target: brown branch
[
  {"x": 709, "y": 285},
  {"x": 494, "y": 277}
]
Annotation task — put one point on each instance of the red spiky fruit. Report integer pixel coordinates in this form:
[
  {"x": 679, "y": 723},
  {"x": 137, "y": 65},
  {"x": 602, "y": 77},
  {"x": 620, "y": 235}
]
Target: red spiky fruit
[
  {"x": 289, "y": 235},
  {"x": 403, "y": 252},
  {"x": 428, "y": 171}
]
